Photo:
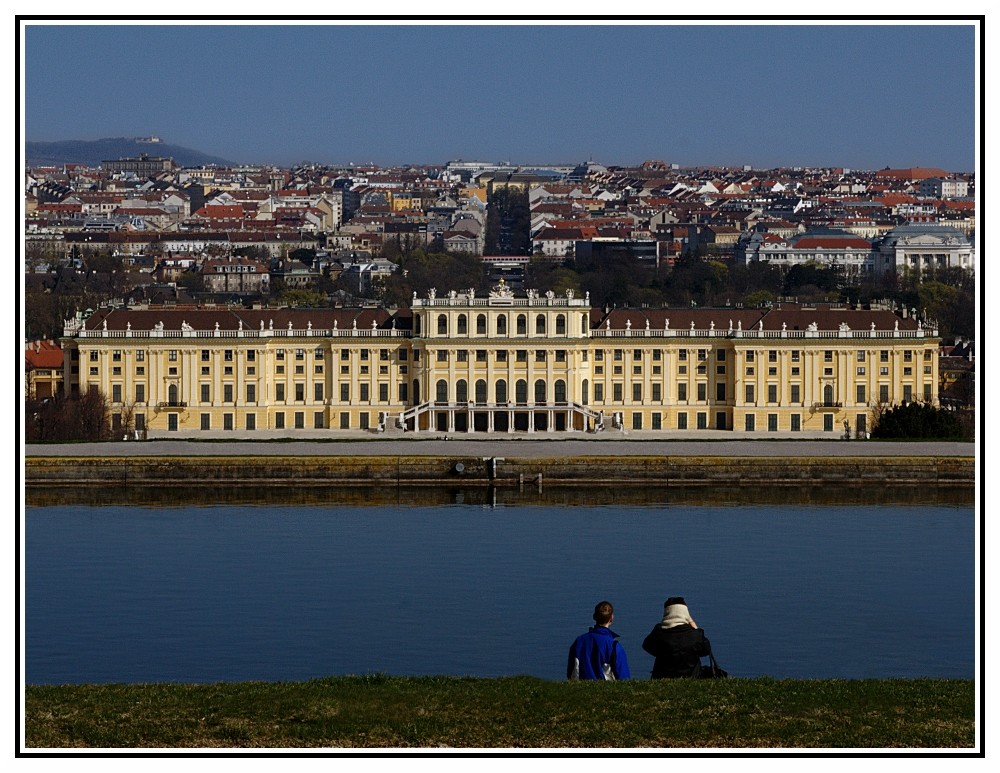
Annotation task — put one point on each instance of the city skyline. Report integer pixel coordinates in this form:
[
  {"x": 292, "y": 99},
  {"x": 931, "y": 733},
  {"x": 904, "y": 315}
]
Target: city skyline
[{"x": 863, "y": 96}]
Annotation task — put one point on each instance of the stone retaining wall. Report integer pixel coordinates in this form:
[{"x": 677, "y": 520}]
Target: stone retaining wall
[{"x": 415, "y": 470}]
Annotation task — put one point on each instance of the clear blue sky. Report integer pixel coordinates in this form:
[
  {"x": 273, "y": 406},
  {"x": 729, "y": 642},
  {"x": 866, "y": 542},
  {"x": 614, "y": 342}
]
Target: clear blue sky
[{"x": 857, "y": 96}]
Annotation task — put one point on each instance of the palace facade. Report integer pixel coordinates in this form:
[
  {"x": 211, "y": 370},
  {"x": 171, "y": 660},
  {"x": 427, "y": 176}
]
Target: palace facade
[{"x": 501, "y": 364}]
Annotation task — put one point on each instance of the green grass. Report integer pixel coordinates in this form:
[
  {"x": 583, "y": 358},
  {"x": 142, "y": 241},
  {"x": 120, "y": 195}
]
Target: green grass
[{"x": 516, "y": 712}]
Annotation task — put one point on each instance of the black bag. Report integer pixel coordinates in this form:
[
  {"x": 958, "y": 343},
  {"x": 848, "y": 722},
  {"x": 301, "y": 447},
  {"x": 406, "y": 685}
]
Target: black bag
[{"x": 712, "y": 670}]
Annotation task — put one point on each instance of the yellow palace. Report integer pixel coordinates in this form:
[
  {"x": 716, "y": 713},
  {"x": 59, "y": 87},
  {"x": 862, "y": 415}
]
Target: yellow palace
[{"x": 501, "y": 363}]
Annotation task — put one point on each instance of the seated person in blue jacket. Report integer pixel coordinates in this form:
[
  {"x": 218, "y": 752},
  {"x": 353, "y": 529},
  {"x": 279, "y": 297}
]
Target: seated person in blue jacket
[
  {"x": 677, "y": 643},
  {"x": 597, "y": 654}
]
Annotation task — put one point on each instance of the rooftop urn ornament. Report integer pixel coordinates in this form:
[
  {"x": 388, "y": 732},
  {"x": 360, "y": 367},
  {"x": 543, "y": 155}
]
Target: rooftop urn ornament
[
  {"x": 587, "y": 296},
  {"x": 414, "y": 295},
  {"x": 692, "y": 325},
  {"x": 452, "y": 294},
  {"x": 471, "y": 292},
  {"x": 158, "y": 326},
  {"x": 216, "y": 326},
  {"x": 432, "y": 294},
  {"x": 550, "y": 295},
  {"x": 873, "y": 327},
  {"x": 628, "y": 324},
  {"x": 374, "y": 324},
  {"x": 309, "y": 325},
  {"x": 711, "y": 325},
  {"x": 569, "y": 295},
  {"x": 784, "y": 326},
  {"x": 289, "y": 326},
  {"x": 270, "y": 324},
  {"x": 812, "y": 327}
]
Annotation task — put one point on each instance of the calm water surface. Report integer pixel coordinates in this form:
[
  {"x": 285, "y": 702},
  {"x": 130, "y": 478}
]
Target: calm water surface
[{"x": 232, "y": 593}]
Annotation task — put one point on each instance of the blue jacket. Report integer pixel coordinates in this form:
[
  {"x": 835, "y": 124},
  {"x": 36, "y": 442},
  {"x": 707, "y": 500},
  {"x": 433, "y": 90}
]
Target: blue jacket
[{"x": 597, "y": 655}]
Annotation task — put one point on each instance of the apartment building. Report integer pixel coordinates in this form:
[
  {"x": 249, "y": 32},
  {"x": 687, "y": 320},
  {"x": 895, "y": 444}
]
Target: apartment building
[{"x": 502, "y": 363}]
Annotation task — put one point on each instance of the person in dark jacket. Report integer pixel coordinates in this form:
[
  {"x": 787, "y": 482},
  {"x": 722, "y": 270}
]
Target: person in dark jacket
[
  {"x": 677, "y": 643},
  {"x": 598, "y": 654}
]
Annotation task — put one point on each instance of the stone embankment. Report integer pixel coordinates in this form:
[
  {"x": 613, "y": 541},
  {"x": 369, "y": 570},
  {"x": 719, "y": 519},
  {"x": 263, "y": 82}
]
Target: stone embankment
[{"x": 409, "y": 470}]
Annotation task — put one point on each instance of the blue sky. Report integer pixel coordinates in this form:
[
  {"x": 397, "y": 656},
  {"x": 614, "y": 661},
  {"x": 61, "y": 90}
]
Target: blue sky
[{"x": 712, "y": 94}]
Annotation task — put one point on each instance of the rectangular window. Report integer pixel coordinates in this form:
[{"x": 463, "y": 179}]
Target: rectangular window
[
  {"x": 616, "y": 392},
  {"x": 908, "y": 355},
  {"x": 861, "y": 355},
  {"x": 637, "y": 393},
  {"x": 657, "y": 393},
  {"x": 227, "y": 355},
  {"x": 619, "y": 355},
  {"x": 251, "y": 357},
  {"x": 702, "y": 419},
  {"x": 539, "y": 355},
  {"x": 501, "y": 355},
  {"x": 772, "y": 355},
  {"x": 383, "y": 393},
  {"x": 171, "y": 355},
  {"x": 227, "y": 421},
  {"x": 116, "y": 355},
  {"x": 682, "y": 392},
  {"x": 227, "y": 393},
  {"x": 828, "y": 355},
  {"x": 140, "y": 356},
  {"x": 300, "y": 354},
  {"x": 279, "y": 392},
  {"x": 682, "y": 421},
  {"x": 279, "y": 420},
  {"x": 206, "y": 396},
  {"x": 861, "y": 370},
  {"x": 796, "y": 397},
  {"x": 883, "y": 393},
  {"x": 750, "y": 355},
  {"x": 251, "y": 421},
  {"x": 522, "y": 355},
  {"x": 682, "y": 355},
  {"x": 772, "y": 393},
  {"x": 140, "y": 422},
  {"x": 860, "y": 394},
  {"x": 364, "y": 393},
  {"x": 480, "y": 355},
  {"x": 318, "y": 420},
  {"x": 251, "y": 393},
  {"x": 907, "y": 393},
  {"x": 598, "y": 392},
  {"x": 657, "y": 421},
  {"x": 318, "y": 392},
  {"x": 795, "y": 355},
  {"x": 748, "y": 393},
  {"x": 206, "y": 421},
  {"x": 300, "y": 420},
  {"x": 140, "y": 393},
  {"x": 702, "y": 392},
  {"x": 720, "y": 393},
  {"x": 300, "y": 393},
  {"x": 796, "y": 422},
  {"x": 462, "y": 355},
  {"x": 749, "y": 422},
  {"x": 403, "y": 393},
  {"x": 772, "y": 422},
  {"x": 345, "y": 421},
  {"x": 702, "y": 354},
  {"x": 279, "y": 354},
  {"x": 883, "y": 355},
  {"x": 637, "y": 420},
  {"x": 345, "y": 393},
  {"x": 116, "y": 393}
]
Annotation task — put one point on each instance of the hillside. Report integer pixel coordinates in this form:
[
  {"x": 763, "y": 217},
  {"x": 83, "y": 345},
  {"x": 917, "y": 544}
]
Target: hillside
[{"x": 92, "y": 153}]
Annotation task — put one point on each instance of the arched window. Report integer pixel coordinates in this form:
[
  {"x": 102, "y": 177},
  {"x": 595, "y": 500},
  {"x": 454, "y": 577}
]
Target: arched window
[
  {"x": 828, "y": 394},
  {"x": 560, "y": 391},
  {"x": 561, "y": 324},
  {"x": 584, "y": 323},
  {"x": 540, "y": 324},
  {"x": 585, "y": 392},
  {"x": 442, "y": 391},
  {"x": 522, "y": 325},
  {"x": 481, "y": 325},
  {"x": 416, "y": 392},
  {"x": 521, "y": 392},
  {"x": 442, "y": 324},
  {"x": 501, "y": 392},
  {"x": 461, "y": 391},
  {"x": 502, "y": 325},
  {"x": 416, "y": 324},
  {"x": 540, "y": 391},
  {"x": 463, "y": 325},
  {"x": 172, "y": 394},
  {"x": 481, "y": 398}
]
